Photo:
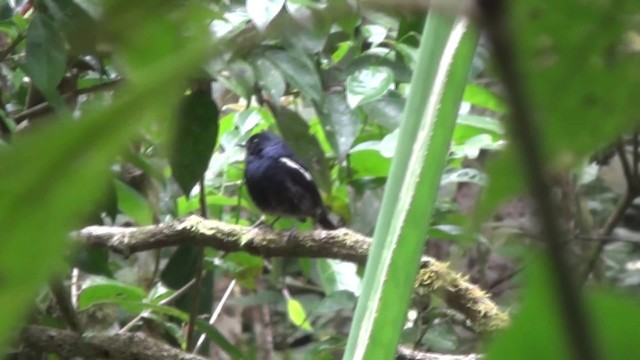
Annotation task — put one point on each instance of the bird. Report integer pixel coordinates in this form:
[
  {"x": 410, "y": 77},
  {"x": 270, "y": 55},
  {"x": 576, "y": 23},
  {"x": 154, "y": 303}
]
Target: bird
[{"x": 279, "y": 183}]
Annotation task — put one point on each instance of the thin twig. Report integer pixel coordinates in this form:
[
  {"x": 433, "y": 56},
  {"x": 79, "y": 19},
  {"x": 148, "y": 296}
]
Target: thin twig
[
  {"x": 166, "y": 301},
  {"x": 636, "y": 153},
  {"x": 195, "y": 304},
  {"x": 526, "y": 138},
  {"x": 612, "y": 222},
  {"x": 624, "y": 160},
  {"x": 44, "y": 108},
  {"x": 14, "y": 44},
  {"x": 215, "y": 314},
  {"x": 63, "y": 300}
]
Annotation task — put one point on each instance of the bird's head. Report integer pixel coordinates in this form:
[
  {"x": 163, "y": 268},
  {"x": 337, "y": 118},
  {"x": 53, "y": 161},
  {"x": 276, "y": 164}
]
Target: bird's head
[{"x": 258, "y": 143}]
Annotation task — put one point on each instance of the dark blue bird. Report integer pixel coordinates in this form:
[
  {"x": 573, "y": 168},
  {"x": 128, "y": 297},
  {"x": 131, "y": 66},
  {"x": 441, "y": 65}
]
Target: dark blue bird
[{"x": 279, "y": 184}]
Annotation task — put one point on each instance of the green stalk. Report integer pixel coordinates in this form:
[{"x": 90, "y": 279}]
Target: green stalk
[{"x": 446, "y": 51}]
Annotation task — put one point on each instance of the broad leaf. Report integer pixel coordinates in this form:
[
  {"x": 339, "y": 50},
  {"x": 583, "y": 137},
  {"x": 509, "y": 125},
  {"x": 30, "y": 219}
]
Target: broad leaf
[{"x": 195, "y": 139}]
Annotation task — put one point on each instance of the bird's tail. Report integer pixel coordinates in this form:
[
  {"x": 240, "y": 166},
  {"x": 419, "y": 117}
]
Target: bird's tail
[{"x": 324, "y": 221}]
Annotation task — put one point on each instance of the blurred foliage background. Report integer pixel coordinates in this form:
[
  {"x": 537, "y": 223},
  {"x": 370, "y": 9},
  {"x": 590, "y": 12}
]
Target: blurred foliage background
[{"x": 131, "y": 114}]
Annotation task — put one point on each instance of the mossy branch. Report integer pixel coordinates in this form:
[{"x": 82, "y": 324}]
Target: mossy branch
[{"x": 434, "y": 277}]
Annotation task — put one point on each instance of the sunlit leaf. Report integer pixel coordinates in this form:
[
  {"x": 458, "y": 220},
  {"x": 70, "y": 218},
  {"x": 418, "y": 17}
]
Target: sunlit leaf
[
  {"x": 368, "y": 84},
  {"x": 262, "y": 12},
  {"x": 341, "y": 123},
  {"x": 298, "y": 315}
]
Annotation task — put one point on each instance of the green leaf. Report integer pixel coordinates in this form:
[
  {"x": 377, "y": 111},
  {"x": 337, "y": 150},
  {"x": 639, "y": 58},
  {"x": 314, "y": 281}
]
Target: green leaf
[
  {"x": 537, "y": 330},
  {"x": 466, "y": 175},
  {"x": 375, "y": 34},
  {"x": 369, "y": 163},
  {"x": 297, "y": 315},
  {"x": 336, "y": 275},
  {"x": 295, "y": 132},
  {"x": 78, "y": 153},
  {"x": 133, "y": 204},
  {"x": 246, "y": 120},
  {"x": 93, "y": 261},
  {"x": 262, "y": 12},
  {"x": 98, "y": 289},
  {"x": 480, "y": 122},
  {"x": 244, "y": 267},
  {"x": 181, "y": 269},
  {"x": 341, "y": 124},
  {"x": 368, "y": 84},
  {"x": 479, "y": 96},
  {"x": 239, "y": 77},
  {"x": 46, "y": 59},
  {"x": 386, "y": 110},
  {"x": 80, "y": 29},
  {"x": 570, "y": 113},
  {"x": 269, "y": 79},
  {"x": 298, "y": 70},
  {"x": 195, "y": 139}
]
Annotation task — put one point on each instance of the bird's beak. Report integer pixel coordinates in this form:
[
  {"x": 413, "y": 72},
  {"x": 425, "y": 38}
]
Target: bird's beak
[{"x": 243, "y": 145}]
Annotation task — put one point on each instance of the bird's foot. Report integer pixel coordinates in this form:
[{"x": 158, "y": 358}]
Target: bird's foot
[{"x": 291, "y": 233}]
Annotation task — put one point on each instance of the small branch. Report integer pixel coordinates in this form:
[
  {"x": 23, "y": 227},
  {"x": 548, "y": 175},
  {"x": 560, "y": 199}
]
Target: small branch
[
  {"x": 636, "y": 153},
  {"x": 434, "y": 277},
  {"x": 612, "y": 222},
  {"x": 63, "y": 300},
  {"x": 633, "y": 190},
  {"x": 45, "y": 108},
  {"x": 14, "y": 44},
  {"x": 166, "y": 301},
  {"x": 215, "y": 314},
  {"x": 195, "y": 303},
  {"x": 125, "y": 346},
  {"x": 626, "y": 167}
]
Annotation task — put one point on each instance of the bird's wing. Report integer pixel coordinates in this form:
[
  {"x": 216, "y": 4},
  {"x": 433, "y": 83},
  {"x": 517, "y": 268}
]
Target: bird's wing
[{"x": 301, "y": 185}]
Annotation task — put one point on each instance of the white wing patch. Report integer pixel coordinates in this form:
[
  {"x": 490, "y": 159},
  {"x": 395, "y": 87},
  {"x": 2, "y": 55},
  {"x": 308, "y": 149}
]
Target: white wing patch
[{"x": 292, "y": 164}]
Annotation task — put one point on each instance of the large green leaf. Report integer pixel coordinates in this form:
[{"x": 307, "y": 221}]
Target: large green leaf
[
  {"x": 133, "y": 204},
  {"x": 581, "y": 81},
  {"x": 298, "y": 69},
  {"x": 46, "y": 60},
  {"x": 269, "y": 79},
  {"x": 98, "y": 289},
  {"x": 537, "y": 330},
  {"x": 181, "y": 269},
  {"x": 341, "y": 124},
  {"x": 66, "y": 160},
  {"x": 195, "y": 139},
  {"x": 368, "y": 84}
]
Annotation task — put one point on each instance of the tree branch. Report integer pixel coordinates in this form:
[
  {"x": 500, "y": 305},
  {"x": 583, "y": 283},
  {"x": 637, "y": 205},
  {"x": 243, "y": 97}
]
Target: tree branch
[
  {"x": 344, "y": 244},
  {"x": 137, "y": 346},
  {"x": 125, "y": 346},
  {"x": 405, "y": 353}
]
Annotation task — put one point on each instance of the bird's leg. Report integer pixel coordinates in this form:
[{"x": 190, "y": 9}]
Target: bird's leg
[
  {"x": 290, "y": 234},
  {"x": 261, "y": 223}
]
